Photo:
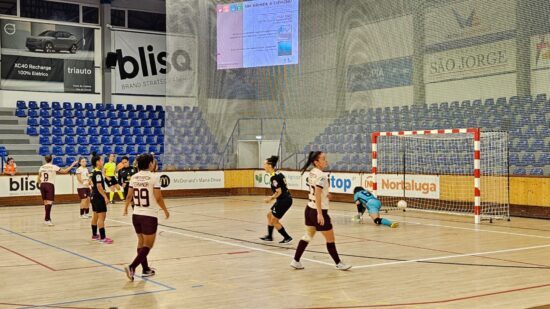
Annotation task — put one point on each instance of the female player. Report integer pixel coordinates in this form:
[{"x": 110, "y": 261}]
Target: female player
[
  {"x": 99, "y": 201},
  {"x": 366, "y": 200},
  {"x": 282, "y": 203},
  {"x": 316, "y": 214},
  {"x": 125, "y": 172},
  {"x": 46, "y": 183},
  {"x": 110, "y": 179},
  {"x": 83, "y": 188},
  {"x": 145, "y": 192}
]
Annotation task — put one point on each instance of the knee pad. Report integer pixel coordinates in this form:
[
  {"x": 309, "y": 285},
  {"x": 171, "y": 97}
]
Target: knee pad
[
  {"x": 378, "y": 221},
  {"x": 306, "y": 238},
  {"x": 310, "y": 232}
]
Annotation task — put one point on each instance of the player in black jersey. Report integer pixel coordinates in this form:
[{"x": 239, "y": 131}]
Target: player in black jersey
[
  {"x": 282, "y": 203},
  {"x": 99, "y": 201},
  {"x": 125, "y": 173}
]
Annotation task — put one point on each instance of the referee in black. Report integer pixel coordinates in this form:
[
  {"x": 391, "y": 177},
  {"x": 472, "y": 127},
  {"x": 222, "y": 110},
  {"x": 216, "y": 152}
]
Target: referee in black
[{"x": 124, "y": 175}]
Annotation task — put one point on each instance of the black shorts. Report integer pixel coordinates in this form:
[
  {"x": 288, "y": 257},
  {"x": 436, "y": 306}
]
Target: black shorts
[
  {"x": 83, "y": 193},
  {"x": 48, "y": 191},
  {"x": 98, "y": 204},
  {"x": 311, "y": 219},
  {"x": 112, "y": 182},
  {"x": 280, "y": 207},
  {"x": 145, "y": 224},
  {"x": 126, "y": 188}
]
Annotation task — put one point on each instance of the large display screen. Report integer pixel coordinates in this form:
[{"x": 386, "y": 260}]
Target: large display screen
[{"x": 257, "y": 33}]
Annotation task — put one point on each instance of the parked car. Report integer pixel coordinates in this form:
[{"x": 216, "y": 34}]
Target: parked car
[{"x": 50, "y": 41}]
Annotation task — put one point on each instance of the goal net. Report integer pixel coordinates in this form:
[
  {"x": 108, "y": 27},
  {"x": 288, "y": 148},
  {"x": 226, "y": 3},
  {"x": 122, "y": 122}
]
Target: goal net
[{"x": 455, "y": 171}]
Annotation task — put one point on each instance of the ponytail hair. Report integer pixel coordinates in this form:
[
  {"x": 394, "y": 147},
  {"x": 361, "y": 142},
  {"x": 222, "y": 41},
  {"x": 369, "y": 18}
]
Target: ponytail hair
[
  {"x": 95, "y": 158},
  {"x": 273, "y": 161},
  {"x": 312, "y": 157}
]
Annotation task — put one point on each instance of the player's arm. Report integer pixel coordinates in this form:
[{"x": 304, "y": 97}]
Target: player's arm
[
  {"x": 102, "y": 192},
  {"x": 318, "y": 197},
  {"x": 68, "y": 168},
  {"x": 158, "y": 196},
  {"x": 128, "y": 201},
  {"x": 38, "y": 179},
  {"x": 79, "y": 178},
  {"x": 119, "y": 176}
]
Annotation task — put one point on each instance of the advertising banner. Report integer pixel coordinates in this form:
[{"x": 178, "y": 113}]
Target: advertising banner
[
  {"x": 23, "y": 185},
  {"x": 379, "y": 75},
  {"x": 417, "y": 186},
  {"x": 540, "y": 51},
  {"x": 479, "y": 60},
  {"x": 47, "y": 57},
  {"x": 191, "y": 180},
  {"x": 293, "y": 180},
  {"x": 154, "y": 64},
  {"x": 338, "y": 182}
]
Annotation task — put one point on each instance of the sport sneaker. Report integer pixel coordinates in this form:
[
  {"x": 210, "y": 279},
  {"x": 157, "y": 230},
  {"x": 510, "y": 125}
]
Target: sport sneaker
[
  {"x": 286, "y": 240},
  {"x": 296, "y": 265},
  {"x": 83, "y": 217},
  {"x": 95, "y": 237},
  {"x": 394, "y": 225},
  {"x": 129, "y": 272},
  {"x": 48, "y": 223},
  {"x": 342, "y": 266},
  {"x": 149, "y": 273},
  {"x": 267, "y": 238},
  {"x": 355, "y": 218},
  {"x": 107, "y": 240}
]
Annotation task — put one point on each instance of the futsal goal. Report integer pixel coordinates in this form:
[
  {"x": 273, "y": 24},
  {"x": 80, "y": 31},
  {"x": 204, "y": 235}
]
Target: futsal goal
[{"x": 454, "y": 171}]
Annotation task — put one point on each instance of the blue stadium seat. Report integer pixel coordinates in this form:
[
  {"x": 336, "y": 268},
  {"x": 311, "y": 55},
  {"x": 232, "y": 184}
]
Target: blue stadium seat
[
  {"x": 149, "y": 108},
  {"x": 33, "y": 105},
  {"x": 57, "y": 140},
  {"x": 70, "y": 158},
  {"x": 107, "y": 150},
  {"x": 133, "y": 115},
  {"x": 58, "y": 160},
  {"x": 101, "y": 114},
  {"x": 21, "y": 112},
  {"x": 119, "y": 150},
  {"x": 124, "y": 123},
  {"x": 71, "y": 151},
  {"x": 44, "y": 150},
  {"x": 126, "y": 131},
  {"x": 33, "y": 113},
  {"x": 115, "y": 131},
  {"x": 67, "y": 106},
  {"x": 157, "y": 131},
  {"x": 79, "y": 114},
  {"x": 45, "y": 113},
  {"x": 143, "y": 115},
  {"x": 109, "y": 107},
  {"x": 140, "y": 108},
  {"x": 91, "y": 122},
  {"x": 67, "y": 113},
  {"x": 142, "y": 149},
  {"x": 147, "y": 131},
  {"x": 134, "y": 123},
  {"x": 150, "y": 140},
  {"x": 92, "y": 131},
  {"x": 96, "y": 149},
  {"x": 139, "y": 140},
  {"x": 104, "y": 131},
  {"x": 90, "y": 114},
  {"x": 538, "y": 145},
  {"x": 112, "y": 114},
  {"x": 136, "y": 130},
  {"x": 120, "y": 108},
  {"x": 100, "y": 107},
  {"x": 32, "y": 131},
  {"x": 82, "y": 140},
  {"x": 56, "y": 114},
  {"x": 44, "y": 105},
  {"x": 69, "y": 140},
  {"x": 58, "y": 151},
  {"x": 45, "y": 122},
  {"x": 57, "y": 131},
  {"x": 537, "y": 171},
  {"x": 106, "y": 140},
  {"x": 33, "y": 122},
  {"x": 78, "y": 106},
  {"x": 122, "y": 115},
  {"x": 131, "y": 150},
  {"x": 129, "y": 140},
  {"x": 68, "y": 122},
  {"x": 21, "y": 104},
  {"x": 56, "y": 122},
  {"x": 45, "y": 131},
  {"x": 89, "y": 106},
  {"x": 113, "y": 122},
  {"x": 83, "y": 150},
  {"x": 156, "y": 123},
  {"x": 544, "y": 159},
  {"x": 81, "y": 131},
  {"x": 527, "y": 159},
  {"x": 94, "y": 140},
  {"x": 130, "y": 107}
]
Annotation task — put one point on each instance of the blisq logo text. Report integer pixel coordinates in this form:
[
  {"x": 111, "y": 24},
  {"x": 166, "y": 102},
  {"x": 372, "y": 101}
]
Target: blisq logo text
[
  {"x": 22, "y": 184},
  {"x": 147, "y": 64}
]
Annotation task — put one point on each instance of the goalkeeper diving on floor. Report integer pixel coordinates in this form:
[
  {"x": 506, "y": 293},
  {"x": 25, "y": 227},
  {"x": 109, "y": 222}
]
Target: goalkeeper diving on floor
[{"x": 365, "y": 200}]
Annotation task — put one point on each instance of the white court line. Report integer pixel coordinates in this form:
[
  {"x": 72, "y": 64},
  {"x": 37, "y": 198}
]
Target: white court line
[
  {"x": 452, "y": 256},
  {"x": 230, "y": 243}
]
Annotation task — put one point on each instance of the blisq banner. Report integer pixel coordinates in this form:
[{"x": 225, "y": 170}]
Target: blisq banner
[
  {"x": 47, "y": 57},
  {"x": 144, "y": 64}
]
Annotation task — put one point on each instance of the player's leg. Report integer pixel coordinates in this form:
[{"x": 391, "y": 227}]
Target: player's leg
[
  {"x": 146, "y": 228},
  {"x": 111, "y": 191},
  {"x": 310, "y": 221},
  {"x": 119, "y": 192},
  {"x": 269, "y": 236},
  {"x": 101, "y": 226},
  {"x": 374, "y": 212},
  {"x": 280, "y": 209},
  {"x": 328, "y": 232},
  {"x": 95, "y": 219},
  {"x": 87, "y": 207}
]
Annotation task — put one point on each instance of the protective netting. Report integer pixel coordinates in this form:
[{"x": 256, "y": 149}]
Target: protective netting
[
  {"x": 436, "y": 172},
  {"x": 369, "y": 66}
]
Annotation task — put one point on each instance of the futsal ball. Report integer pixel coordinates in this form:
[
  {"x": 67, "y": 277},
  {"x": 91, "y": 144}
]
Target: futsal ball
[{"x": 401, "y": 204}]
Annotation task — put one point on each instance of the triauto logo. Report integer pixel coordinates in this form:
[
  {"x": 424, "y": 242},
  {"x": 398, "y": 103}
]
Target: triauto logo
[
  {"x": 164, "y": 181},
  {"x": 151, "y": 64},
  {"x": 22, "y": 184}
]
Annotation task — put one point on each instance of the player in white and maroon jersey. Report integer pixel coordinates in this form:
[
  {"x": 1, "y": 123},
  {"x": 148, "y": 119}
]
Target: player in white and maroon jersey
[
  {"x": 144, "y": 191},
  {"x": 46, "y": 183}
]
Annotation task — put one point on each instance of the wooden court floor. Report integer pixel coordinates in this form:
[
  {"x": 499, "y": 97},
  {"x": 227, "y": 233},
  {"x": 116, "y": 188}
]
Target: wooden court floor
[{"x": 208, "y": 255}]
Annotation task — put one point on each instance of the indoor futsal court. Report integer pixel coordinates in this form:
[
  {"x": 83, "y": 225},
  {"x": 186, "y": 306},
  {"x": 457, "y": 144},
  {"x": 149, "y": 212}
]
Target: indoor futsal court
[{"x": 298, "y": 154}]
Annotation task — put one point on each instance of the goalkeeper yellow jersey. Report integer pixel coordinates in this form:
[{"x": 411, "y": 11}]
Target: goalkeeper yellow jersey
[{"x": 110, "y": 169}]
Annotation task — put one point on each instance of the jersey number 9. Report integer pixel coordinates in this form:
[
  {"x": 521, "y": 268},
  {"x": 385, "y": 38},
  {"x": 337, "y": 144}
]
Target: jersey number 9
[{"x": 141, "y": 197}]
